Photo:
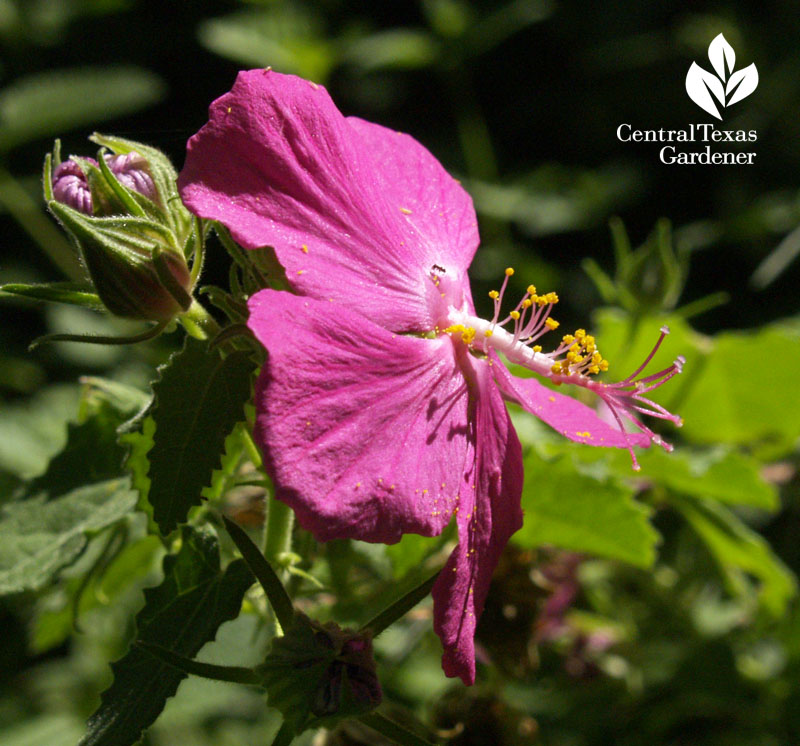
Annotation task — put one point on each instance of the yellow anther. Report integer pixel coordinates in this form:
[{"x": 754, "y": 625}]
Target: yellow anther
[
  {"x": 514, "y": 315},
  {"x": 575, "y": 348},
  {"x": 551, "y": 323},
  {"x": 531, "y": 289},
  {"x": 594, "y": 369},
  {"x": 488, "y": 333},
  {"x": 509, "y": 271},
  {"x": 557, "y": 369},
  {"x": 552, "y": 298},
  {"x": 567, "y": 339},
  {"x": 588, "y": 340},
  {"x": 494, "y": 295},
  {"x": 468, "y": 335},
  {"x": 603, "y": 365},
  {"x": 537, "y": 348},
  {"x": 580, "y": 334},
  {"x": 527, "y": 303},
  {"x": 597, "y": 358}
]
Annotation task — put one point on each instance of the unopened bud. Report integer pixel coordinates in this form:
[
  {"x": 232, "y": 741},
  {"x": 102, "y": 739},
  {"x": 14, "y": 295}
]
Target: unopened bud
[
  {"x": 132, "y": 171},
  {"x": 71, "y": 187}
]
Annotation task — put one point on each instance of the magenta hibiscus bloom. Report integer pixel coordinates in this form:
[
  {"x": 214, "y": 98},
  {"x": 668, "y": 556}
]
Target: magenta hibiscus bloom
[{"x": 380, "y": 409}]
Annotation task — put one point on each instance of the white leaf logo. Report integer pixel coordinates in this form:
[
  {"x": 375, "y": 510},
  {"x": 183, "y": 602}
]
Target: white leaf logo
[{"x": 727, "y": 87}]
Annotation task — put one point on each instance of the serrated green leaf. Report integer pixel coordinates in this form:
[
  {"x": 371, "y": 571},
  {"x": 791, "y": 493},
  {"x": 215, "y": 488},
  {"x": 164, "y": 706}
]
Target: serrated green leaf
[
  {"x": 181, "y": 614},
  {"x": 38, "y": 538},
  {"x": 198, "y": 400},
  {"x": 575, "y": 511},
  {"x": 45, "y": 104},
  {"x": 741, "y": 553}
]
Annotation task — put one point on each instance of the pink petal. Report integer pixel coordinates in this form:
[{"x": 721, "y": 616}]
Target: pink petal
[
  {"x": 571, "y": 418},
  {"x": 364, "y": 432},
  {"x": 489, "y": 513},
  {"x": 356, "y": 213}
]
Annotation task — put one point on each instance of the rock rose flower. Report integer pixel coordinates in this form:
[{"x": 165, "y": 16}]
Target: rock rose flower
[{"x": 380, "y": 409}]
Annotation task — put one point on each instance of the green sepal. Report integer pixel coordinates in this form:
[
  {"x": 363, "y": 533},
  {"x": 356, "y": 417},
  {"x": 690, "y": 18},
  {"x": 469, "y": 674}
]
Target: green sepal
[
  {"x": 117, "y": 253},
  {"x": 317, "y": 675},
  {"x": 164, "y": 179},
  {"x": 56, "y": 292}
]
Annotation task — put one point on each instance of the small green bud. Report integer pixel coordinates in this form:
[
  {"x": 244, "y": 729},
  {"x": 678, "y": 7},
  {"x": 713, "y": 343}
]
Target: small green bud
[
  {"x": 133, "y": 234},
  {"x": 321, "y": 673},
  {"x": 132, "y": 262}
]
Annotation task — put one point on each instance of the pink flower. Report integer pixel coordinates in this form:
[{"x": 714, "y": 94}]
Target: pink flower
[{"x": 380, "y": 409}]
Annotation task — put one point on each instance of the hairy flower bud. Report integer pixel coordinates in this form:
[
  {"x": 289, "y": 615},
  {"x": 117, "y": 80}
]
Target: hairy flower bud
[
  {"x": 131, "y": 169},
  {"x": 71, "y": 187},
  {"x": 121, "y": 212}
]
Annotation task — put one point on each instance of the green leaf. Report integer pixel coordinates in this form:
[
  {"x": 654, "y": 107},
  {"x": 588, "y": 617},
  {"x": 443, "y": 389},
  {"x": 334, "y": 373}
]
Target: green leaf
[
  {"x": 32, "y": 432},
  {"x": 46, "y": 104},
  {"x": 745, "y": 394},
  {"x": 91, "y": 453},
  {"x": 56, "y": 292},
  {"x": 181, "y": 614},
  {"x": 740, "y": 553},
  {"x": 283, "y": 36},
  {"x": 719, "y": 474},
  {"x": 410, "y": 552},
  {"x": 38, "y": 538},
  {"x": 198, "y": 400},
  {"x": 575, "y": 511},
  {"x": 398, "y": 48}
]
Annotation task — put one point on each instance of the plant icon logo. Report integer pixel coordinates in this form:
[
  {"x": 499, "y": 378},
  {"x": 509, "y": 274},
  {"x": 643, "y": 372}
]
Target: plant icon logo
[{"x": 727, "y": 86}]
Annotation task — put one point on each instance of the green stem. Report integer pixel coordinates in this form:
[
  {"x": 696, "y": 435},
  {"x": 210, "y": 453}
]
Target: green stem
[
  {"x": 391, "y": 614},
  {"x": 233, "y": 674},
  {"x": 278, "y": 529},
  {"x": 38, "y": 226},
  {"x": 198, "y": 322},
  {"x": 265, "y": 574}
]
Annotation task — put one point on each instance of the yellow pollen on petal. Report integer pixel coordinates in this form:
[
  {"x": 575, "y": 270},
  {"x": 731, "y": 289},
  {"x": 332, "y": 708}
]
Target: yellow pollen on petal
[
  {"x": 405, "y": 211},
  {"x": 584, "y": 434},
  {"x": 301, "y": 271},
  {"x": 304, "y": 249},
  {"x": 488, "y": 333}
]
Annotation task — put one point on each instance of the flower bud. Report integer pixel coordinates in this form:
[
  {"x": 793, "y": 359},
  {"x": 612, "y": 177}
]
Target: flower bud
[
  {"x": 71, "y": 187},
  {"x": 320, "y": 672},
  {"x": 133, "y": 240},
  {"x": 132, "y": 172}
]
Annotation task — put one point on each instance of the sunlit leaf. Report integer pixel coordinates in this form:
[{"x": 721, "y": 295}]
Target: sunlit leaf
[
  {"x": 38, "y": 538},
  {"x": 575, "y": 511},
  {"x": 181, "y": 614}
]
